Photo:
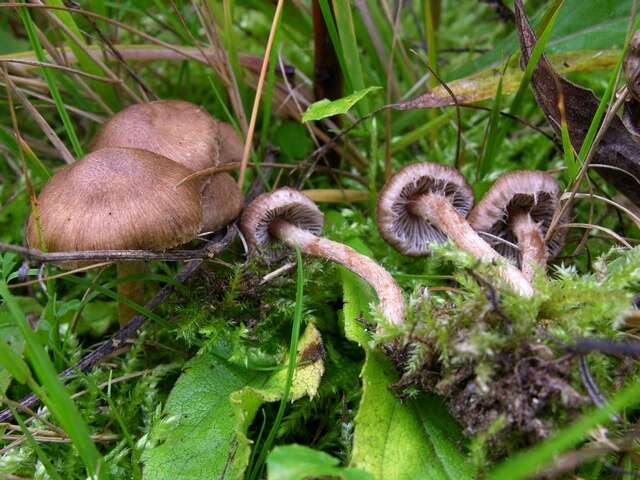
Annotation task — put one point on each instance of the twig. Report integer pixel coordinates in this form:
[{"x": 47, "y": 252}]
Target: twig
[
  {"x": 130, "y": 329},
  {"x": 209, "y": 250},
  {"x": 591, "y": 386}
]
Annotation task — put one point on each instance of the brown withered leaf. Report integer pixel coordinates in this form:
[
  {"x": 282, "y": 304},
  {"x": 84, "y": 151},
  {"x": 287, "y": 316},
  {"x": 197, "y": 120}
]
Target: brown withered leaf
[
  {"x": 484, "y": 84},
  {"x": 617, "y": 150}
]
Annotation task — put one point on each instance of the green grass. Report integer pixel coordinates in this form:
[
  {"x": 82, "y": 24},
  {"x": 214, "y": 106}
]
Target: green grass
[{"x": 253, "y": 325}]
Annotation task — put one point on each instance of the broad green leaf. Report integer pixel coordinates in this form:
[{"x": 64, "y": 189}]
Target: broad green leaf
[
  {"x": 204, "y": 432},
  {"x": 583, "y": 24},
  {"x": 396, "y": 440},
  {"x": 326, "y": 108},
  {"x": 296, "y": 462}
]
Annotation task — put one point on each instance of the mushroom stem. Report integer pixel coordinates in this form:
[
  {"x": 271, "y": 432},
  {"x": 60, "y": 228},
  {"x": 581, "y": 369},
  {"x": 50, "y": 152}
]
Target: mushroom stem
[
  {"x": 130, "y": 289},
  {"x": 436, "y": 209},
  {"x": 389, "y": 294},
  {"x": 531, "y": 243}
]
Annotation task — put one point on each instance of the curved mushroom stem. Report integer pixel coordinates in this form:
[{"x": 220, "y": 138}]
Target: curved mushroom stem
[
  {"x": 438, "y": 210},
  {"x": 533, "y": 251},
  {"x": 389, "y": 294},
  {"x": 131, "y": 290}
]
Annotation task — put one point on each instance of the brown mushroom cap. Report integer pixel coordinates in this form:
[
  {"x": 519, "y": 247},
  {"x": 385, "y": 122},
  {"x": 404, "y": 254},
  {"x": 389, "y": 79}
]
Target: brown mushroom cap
[
  {"x": 179, "y": 130},
  {"x": 231, "y": 146},
  {"x": 187, "y": 134},
  {"x": 222, "y": 202},
  {"x": 534, "y": 192},
  {"x": 286, "y": 204},
  {"x": 118, "y": 198},
  {"x": 406, "y": 232}
]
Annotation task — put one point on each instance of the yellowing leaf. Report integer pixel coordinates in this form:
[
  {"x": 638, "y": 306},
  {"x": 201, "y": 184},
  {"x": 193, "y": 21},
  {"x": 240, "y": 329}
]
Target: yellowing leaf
[{"x": 204, "y": 432}]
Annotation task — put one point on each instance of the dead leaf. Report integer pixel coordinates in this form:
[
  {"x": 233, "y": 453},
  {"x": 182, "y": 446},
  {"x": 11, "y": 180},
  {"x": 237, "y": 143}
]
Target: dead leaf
[
  {"x": 484, "y": 85},
  {"x": 617, "y": 152}
]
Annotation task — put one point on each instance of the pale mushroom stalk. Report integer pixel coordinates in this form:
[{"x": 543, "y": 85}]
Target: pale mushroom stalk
[
  {"x": 531, "y": 242},
  {"x": 130, "y": 289},
  {"x": 389, "y": 294},
  {"x": 438, "y": 210}
]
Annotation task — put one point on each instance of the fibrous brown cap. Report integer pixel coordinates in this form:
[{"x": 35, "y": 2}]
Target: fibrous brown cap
[
  {"x": 231, "y": 145},
  {"x": 286, "y": 204},
  {"x": 118, "y": 198},
  {"x": 187, "y": 134},
  {"x": 222, "y": 202},
  {"x": 178, "y": 130},
  {"x": 406, "y": 232},
  {"x": 534, "y": 192}
]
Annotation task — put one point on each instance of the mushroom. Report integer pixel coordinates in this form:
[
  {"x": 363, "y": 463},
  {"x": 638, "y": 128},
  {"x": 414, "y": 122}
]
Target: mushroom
[
  {"x": 518, "y": 209},
  {"x": 291, "y": 217},
  {"x": 427, "y": 203},
  {"x": 113, "y": 199},
  {"x": 185, "y": 133}
]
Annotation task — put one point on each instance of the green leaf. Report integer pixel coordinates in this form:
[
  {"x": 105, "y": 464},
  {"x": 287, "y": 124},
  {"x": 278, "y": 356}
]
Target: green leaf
[
  {"x": 583, "y": 24},
  {"x": 326, "y": 108},
  {"x": 357, "y": 295},
  {"x": 397, "y": 440},
  {"x": 296, "y": 462},
  {"x": 57, "y": 397},
  {"x": 13, "y": 363},
  {"x": 203, "y": 434}
]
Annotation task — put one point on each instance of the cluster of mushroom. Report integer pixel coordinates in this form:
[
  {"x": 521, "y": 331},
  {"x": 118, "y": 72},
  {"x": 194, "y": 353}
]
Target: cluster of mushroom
[
  {"x": 423, "y": 204},
  {"x": 427, "y": 203},
  {"x": 129, "y": 193},
  {"x": 123, "y": 194}
]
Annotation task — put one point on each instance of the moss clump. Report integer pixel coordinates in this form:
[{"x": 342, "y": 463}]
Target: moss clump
[{"x": 502, "y": 359}]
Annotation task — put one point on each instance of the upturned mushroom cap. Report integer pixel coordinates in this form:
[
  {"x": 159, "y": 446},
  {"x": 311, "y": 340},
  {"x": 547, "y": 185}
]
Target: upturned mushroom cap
[
  {"x": 178, "y": 130},
  {"x": 286, "y": 204},
  {"x": 406, "y": 232},
  {"x": 118, "y": 198},
  {"x": 534, "y": 192}
]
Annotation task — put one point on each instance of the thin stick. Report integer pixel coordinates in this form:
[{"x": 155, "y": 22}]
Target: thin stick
[
  {"x": 207, "y": 251},
  {"x": 130, "y": 329},
  {"x": 256, "y": 101}
]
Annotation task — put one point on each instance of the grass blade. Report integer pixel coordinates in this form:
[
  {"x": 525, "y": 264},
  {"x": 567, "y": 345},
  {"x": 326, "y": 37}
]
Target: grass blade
[
  {"x": 524, "y": 465},
  {"x": 49, "y": 77},
  {"x": 57, "y": 398},
  {"x": 291, "y": 367}
]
